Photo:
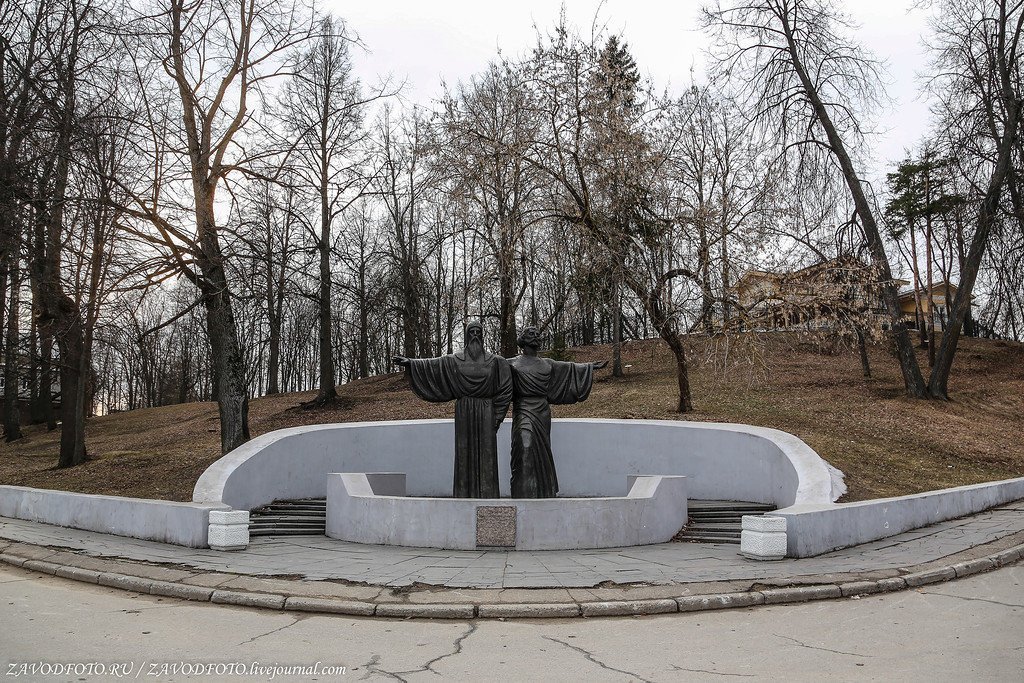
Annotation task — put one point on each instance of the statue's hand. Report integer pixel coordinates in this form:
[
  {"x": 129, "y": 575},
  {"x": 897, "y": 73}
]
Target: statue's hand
[
  {"x": 599, "y": 364},
  {"x": 400, "y": 360}
]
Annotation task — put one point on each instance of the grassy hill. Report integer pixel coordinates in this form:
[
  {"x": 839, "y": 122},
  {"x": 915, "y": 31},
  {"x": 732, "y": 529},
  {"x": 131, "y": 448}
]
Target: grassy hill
[{"x": 885, "y": 443}]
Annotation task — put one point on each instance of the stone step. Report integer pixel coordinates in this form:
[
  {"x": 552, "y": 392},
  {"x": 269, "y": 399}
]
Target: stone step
[
  {"x": 305, "y": 517},
  {"x": 286, "y": 519},
  {"x": 743, "y": 508},
  {"x": 285, "y": 532},
  {"x": 276, "y": 512},
  {"x": 727, "y": 528},
  {"x": 711, "y": 531},
  {"x": 735, "y": 540},
  {"x": 718, "y": 521}
]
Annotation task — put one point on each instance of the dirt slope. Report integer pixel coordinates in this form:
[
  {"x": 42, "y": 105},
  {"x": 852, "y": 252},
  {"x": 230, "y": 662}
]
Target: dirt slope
[{"x": 885, "y": 443}]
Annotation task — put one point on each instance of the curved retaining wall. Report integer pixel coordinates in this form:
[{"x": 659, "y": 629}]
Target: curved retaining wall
[{"x": 593, "y": 458}]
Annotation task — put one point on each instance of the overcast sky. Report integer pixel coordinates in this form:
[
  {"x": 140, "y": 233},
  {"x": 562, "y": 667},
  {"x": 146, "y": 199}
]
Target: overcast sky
[{"x": 427, "y": 41}]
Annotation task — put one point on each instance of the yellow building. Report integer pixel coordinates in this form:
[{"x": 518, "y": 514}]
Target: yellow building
[{"x": 943, "y": 295}]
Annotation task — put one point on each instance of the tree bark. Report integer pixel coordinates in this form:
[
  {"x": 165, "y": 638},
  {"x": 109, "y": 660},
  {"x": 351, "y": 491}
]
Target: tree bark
[
  {"x": 862, "y": 347},
  {"x": 617, "y": 370},
  {"x": 328, "y": 391},
  {"x": 229, "y": 385},
  {"x": 12, "y": 418}
]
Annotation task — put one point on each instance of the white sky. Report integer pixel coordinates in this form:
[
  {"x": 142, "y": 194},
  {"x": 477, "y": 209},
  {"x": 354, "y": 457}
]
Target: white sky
[{"x": 427, "y": 41}]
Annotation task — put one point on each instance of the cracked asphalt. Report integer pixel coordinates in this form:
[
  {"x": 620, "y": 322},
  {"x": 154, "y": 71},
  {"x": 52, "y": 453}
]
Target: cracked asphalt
[{"x": 970, "y": 629}]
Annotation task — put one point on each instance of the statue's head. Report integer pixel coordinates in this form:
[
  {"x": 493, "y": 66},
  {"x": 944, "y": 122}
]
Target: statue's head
[
  {"x": 530, "y": 337},
  {"x": 475, "y": 337}
]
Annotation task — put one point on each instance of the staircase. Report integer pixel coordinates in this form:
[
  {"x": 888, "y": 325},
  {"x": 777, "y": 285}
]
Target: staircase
[
  {"x": 718, "y": 521},
  {"x": 711, "y": 521},
  {"x": 290, "y": 518}
]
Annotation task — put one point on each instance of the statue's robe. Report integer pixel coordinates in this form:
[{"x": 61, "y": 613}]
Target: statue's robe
[
  {"x": 482, "y": 390},
  {"x": 539, "y": 382}
]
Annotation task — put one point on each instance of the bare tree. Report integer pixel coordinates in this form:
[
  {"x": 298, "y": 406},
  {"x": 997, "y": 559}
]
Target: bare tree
[
  {"x": 323, "y": 109},
  {"x": 218, "y": 57},
  {"x": 805, "y": 80},
  {"x": 979, "y": 88}
]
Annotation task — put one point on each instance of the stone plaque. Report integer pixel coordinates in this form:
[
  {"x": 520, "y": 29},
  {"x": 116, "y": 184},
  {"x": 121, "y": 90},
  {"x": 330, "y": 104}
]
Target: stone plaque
[{"x": 496, "y": 526}]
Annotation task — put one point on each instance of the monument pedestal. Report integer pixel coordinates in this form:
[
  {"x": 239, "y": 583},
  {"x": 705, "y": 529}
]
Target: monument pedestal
[{"x": 365, "y": 508}]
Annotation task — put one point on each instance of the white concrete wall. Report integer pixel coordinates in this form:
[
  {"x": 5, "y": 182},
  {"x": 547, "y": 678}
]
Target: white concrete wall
[
  {"x": 652, "y": 512},
  {"x": 593, "y": 458},
  {"x": 154, "y": 520},
  {"x": 816, "y": 529}
]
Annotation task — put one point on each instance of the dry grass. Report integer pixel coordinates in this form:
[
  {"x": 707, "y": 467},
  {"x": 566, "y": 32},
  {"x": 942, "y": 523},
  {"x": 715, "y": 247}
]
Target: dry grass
[{"x": 885, "y": 443}]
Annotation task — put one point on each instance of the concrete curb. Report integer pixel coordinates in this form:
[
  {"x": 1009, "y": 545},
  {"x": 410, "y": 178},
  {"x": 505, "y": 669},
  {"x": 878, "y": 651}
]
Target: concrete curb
[{"x": 763, "y": 595}]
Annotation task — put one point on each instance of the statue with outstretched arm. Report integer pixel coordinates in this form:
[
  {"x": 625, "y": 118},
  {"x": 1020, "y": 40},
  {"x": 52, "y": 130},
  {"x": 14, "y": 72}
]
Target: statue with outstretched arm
[
  {"x": 480, "y": 383},
  {"x": 538, "y": 383}
]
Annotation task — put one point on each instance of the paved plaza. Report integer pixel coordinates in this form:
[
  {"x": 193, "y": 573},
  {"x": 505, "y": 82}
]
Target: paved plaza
[{"x": 321, "y": 559}]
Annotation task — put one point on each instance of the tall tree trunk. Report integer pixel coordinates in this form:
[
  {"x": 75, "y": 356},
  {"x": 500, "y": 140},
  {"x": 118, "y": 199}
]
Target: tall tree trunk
[
  {"x": 229, "y": 385},
  {"x": 919, "y": 319},
  {"x": 929, "y": 240},
  {"x": 685, "y": 403},
  {"x": 617, "y": 370},
  {"x": 328, "y": 391},
  {"x": 12, "y": 418},
  {"x": 507, "y": 316},
  {"x": 862, "y": 347},
  {"x": 274, "y": 355},
  {"x": 72, "y": 392},
  {"x": 275, "y": 303},
  {"x": 363, "y": 347},
  {"x": 45, "y": 408}
]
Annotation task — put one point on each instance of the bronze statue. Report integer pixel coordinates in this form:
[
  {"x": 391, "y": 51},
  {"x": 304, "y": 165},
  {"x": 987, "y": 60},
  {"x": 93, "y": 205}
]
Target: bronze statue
[
  {"x": 539, "y": 382},
  {"x": 481, "y": 384}
]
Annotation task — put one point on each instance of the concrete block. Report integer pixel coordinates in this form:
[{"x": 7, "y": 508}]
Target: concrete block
[
  {"x": 859, "y": 588},
  {"x": 124, "y": 582},
  {"x": 78, "y": 574},
  {"x": 895, "y": 583},
  {"x": 13, "y": 560},
  {"x": 763, "y": 538},
  {"x": 229, "y": 517},
  {"x": 973, "y": 567},
  {"x": 764, "y": 523},
  {"x": 41, "y": 566},
  {"x": 181, "y": 591},
  {"x": 265, "y": 600},
  {"x": 229, "y": 536},
  {"x": 617, "y": 608},
  {"x": 698, "y": 603},
  {"x": 528, "y": 610},
  {"x": 422, "y": 611},
  {"x": 777, "y": 596},
  {"x": 930, "y": 576},
  {"x": 1008, "y": 556},
  {"x": 323, "y": 605}
]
